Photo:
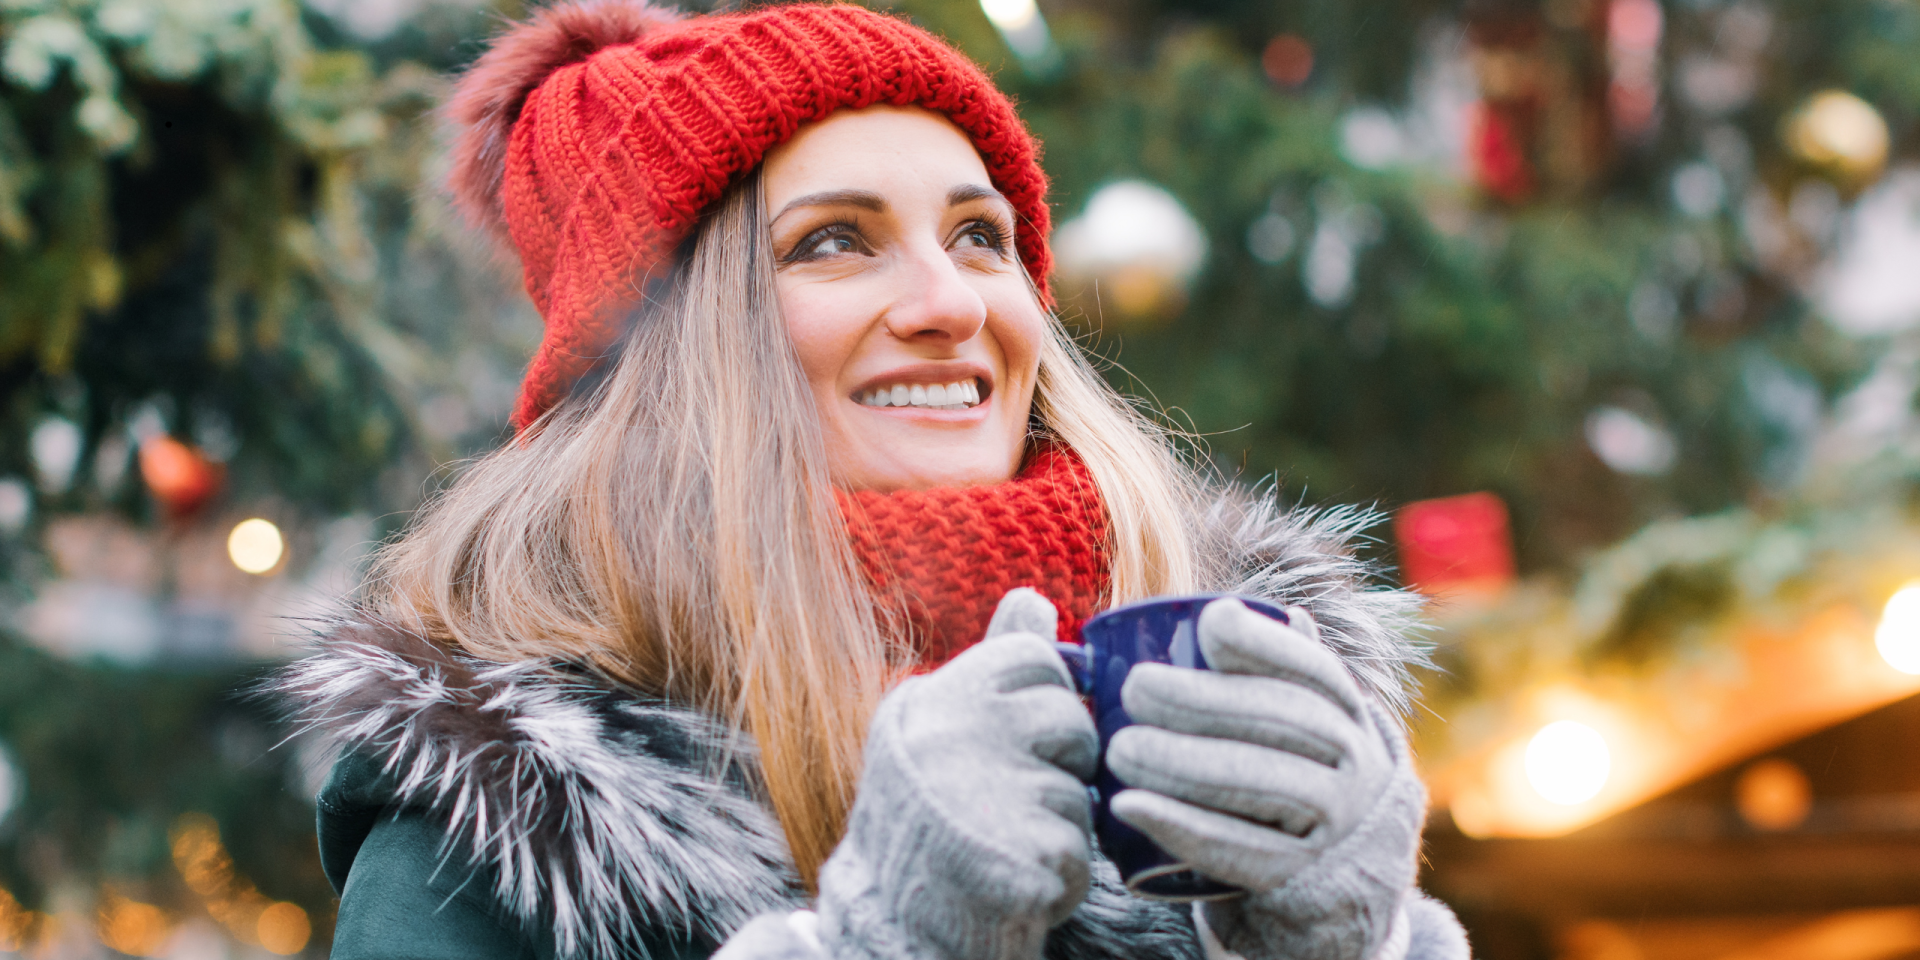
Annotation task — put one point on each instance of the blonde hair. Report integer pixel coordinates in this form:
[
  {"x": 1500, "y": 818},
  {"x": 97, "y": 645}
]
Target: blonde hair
[{"x": 675, "y": 527}]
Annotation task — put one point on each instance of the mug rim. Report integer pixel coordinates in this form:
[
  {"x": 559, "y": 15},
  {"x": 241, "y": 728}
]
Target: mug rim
[{"x": 1264, "y": 607}]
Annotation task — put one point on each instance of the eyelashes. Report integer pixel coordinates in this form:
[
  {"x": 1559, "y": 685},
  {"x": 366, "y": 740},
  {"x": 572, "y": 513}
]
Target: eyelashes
[
  {"x": 809, "y": 247},
  {"x": 996, "y": 233},
  {"x": 844, "y": 237}
]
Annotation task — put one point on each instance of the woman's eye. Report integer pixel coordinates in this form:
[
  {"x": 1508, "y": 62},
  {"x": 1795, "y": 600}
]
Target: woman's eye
[
  {"x": 827, "y": 242},
  {"x": 984, "y": 235},
  {"x": 838, "y": 243}
]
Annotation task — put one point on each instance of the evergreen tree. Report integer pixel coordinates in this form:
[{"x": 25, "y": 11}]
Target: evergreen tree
[{"x": 1448, "y": 242}]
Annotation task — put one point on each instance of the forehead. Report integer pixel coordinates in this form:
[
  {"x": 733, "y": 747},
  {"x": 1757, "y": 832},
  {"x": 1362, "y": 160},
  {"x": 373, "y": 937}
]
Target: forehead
[{"x": 886, "y": 149}]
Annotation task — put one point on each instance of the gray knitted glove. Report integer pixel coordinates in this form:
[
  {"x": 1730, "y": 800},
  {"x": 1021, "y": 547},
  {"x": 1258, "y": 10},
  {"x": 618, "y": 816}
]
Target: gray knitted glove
[
  {"x": 968, "y": 839},
  {"x": 1275, "y": 773}
]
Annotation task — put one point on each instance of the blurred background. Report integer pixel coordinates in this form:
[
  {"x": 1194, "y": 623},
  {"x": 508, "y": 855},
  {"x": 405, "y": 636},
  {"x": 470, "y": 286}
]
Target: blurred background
[{"x": 1612, "y": 305}]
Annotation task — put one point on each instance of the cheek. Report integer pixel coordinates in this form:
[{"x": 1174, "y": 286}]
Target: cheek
[
  {"x": 1019, "y": 328},
  {"x": 824, "y": 338}
]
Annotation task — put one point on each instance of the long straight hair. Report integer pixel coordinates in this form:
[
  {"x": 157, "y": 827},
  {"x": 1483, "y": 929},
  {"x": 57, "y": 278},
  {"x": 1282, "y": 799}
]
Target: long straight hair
[{"x": 675, "y": 527}]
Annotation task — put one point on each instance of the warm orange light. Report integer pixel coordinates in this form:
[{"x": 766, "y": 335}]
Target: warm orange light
[
  {"x": 284, "y": 928},
  {"x": 199, "y": 856},
  {"x": 1898, "y": 635},
  {"x": 1568, "y": 762},
  {"x": 204, "y": 863},
  {"x": 20, "y": 928},
  {"x": 137, "y": 929},
  {"x": 179, "y": 476},
  {"x": 1773, "y": 795}
]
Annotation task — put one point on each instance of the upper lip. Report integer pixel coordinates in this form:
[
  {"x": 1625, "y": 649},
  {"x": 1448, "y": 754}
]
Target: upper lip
[{"x": 929, "y": 374}]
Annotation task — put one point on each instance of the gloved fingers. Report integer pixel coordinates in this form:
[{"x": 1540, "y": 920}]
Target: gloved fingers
[
  {"x": 1067, "y": 798},
  {"x": 1238, "y": 640},
  {"x": 1250, "y": 709},
  {"x": 1299, "y": 619},
  {"x": 1010, "y": 661},
  {"x": 1063, "y": 847},
  {"x": 1266, "y": 786},
  {"x": 1024, "y": 610},
  {"x": 1053, "y": 724},
  {"x": 1223, "y": 847}
]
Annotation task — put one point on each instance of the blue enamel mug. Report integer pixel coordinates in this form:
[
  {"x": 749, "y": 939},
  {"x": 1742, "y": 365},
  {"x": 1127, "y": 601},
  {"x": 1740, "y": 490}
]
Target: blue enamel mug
[{"x": 1160, "y": 630}]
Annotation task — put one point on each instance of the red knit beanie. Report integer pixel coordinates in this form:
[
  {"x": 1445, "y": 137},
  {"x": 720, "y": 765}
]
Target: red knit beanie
[{"x": 592, "y": 136}]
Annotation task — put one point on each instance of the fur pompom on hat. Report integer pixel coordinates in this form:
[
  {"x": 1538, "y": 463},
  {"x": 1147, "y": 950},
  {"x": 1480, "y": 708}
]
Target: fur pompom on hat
[{"x": 592, "y": 136}]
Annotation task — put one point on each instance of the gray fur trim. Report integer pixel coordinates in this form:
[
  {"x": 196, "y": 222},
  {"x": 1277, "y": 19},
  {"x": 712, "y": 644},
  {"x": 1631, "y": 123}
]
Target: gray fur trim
[
  {"x": 1436, "y": 935},
  {"x": 594, "y": 809},
  {"x": 1306, "y": 557},
  {"x": 1112, "y": 924}
]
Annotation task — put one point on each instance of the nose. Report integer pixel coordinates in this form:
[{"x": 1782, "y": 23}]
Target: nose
[{"x": 935, "y": 303}]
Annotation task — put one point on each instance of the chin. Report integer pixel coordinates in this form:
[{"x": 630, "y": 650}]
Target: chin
[{"x": 938, "y": 464}]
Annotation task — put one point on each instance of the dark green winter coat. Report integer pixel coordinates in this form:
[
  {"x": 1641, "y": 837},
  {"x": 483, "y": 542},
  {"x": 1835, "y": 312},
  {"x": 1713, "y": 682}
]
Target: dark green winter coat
[{"x": 405, "y": 893}]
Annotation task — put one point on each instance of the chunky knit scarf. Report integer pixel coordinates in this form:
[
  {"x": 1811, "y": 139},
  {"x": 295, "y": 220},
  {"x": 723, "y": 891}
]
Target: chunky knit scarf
[{"x": 951, "y": 553}]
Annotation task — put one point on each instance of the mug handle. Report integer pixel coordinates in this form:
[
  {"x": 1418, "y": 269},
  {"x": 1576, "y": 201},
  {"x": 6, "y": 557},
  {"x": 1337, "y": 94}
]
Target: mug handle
[{"x": 1076, "y": 657}]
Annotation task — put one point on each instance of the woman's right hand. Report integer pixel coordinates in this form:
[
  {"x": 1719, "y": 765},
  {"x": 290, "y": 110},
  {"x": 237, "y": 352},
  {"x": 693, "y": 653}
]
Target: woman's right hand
[{"x": 970, "y": 834}]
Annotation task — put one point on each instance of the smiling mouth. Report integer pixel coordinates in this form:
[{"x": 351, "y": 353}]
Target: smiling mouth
[{"x": 959, "y": 395}]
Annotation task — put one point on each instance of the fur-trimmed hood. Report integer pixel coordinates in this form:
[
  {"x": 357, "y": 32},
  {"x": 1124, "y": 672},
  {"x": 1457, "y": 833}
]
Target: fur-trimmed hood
[{"x": 600, "y": 814}]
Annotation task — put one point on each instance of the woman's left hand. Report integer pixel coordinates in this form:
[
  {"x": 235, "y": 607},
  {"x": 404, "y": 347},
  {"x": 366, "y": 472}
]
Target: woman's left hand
[{"x": 1274, "y": 772}]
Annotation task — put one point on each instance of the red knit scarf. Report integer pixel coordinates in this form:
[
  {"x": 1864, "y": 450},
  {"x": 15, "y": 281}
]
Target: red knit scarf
[{"x": 953, "y": 552}]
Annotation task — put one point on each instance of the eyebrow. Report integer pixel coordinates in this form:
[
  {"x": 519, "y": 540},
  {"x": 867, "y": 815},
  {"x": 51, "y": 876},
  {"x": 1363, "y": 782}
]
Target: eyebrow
[
  {"x": 973, "y": 191},
  {"x": 864, "y": 199},
  {"x": 868, "y": 200}
]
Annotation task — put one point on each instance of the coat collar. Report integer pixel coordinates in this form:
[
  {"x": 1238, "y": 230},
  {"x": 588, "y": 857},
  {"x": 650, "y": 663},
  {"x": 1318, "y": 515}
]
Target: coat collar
[{"x": 599, "y": 813}]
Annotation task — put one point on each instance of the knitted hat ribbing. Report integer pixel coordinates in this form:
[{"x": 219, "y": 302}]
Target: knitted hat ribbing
[{"x": 593, "y": 136}]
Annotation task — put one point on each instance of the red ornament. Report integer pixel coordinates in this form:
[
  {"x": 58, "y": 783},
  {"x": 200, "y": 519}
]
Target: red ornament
[
  {"x": 1455, "y": 544},
  {"x": 179, "y": 476},
  {"x": 1494, "y": 149},
  {"x": 1288, "y": 60}
]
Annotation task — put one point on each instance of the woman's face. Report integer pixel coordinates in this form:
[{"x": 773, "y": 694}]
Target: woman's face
[{"x": 897, "y": 276}]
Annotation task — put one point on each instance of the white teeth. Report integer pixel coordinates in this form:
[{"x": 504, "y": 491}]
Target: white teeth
[{"x": 958, "y": 395}]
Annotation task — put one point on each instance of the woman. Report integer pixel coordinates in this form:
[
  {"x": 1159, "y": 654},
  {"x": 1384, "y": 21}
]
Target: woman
[{"x": 800, "y": 422}]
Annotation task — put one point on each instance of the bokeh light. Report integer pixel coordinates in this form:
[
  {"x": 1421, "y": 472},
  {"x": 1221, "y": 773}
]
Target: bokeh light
[
  {"x": 130, "y": 927},
  {"x": 255, "y": 545},
  {"x": 284, "y": 928},
  {"x": 10, "y": 786},
  {"x": 1568, "y": 762},
  {"x": 1773, "y": 794},
  {"x": 1287, "y": 60},
  {"x": 1839, "y": 130},
  {"x": 1010, "y": 14},
  {"x": 1898, "y": 636}
]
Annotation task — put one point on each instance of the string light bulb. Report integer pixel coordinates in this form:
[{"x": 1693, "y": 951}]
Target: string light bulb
[
  {"x": 1841, "y": 132},
  {"x": 1898, "y": 635},
  {"x": 255, "y": 545},
  {"x": 1025, "y": 31},
  {"x": 1568, "y": 762},
  {"x": 1010, "y": 14}
]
